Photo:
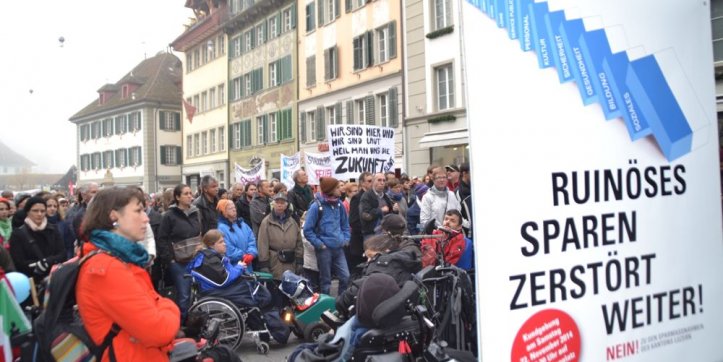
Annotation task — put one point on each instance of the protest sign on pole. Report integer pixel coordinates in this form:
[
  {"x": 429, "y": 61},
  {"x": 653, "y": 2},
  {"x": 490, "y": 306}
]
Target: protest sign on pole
[
  {"x": 289, "y": 164},
  {"x": 595, "y": 170},
  {"x": 250, "y": 175},
  {"x": 317, "y": 165},
  {"x": 359, "y": 148}
]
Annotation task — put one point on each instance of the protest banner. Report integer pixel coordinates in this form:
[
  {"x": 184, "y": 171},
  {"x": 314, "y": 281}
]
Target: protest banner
[
  {"x": 359, "y": 148},
  {"x": 595, "y": 170},
  {"x": 252, "y": 175},
  {"x": 289, "y": 164},
  {"x": 317, "y": 165}
]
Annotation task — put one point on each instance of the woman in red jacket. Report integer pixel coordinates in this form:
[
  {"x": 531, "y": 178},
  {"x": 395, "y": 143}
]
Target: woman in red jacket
[{"x": 113, "y": 286}]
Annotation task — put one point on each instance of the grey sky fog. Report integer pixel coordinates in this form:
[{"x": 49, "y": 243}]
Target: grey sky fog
[{"x": 43, "y": 84}]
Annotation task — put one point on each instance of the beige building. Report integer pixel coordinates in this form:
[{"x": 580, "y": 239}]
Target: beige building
[
  {"x": 262, "y": 82},
  {"x": 350, "y": 68},
  {"x": 435, "y": 118},
  {"x": 205, "y": 114}
]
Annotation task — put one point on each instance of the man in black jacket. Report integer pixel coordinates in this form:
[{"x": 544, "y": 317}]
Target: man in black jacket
[
  {"x": 261, "y": 205},
  {"x": 464, "y": 196},
  {"x": 374, "y": 204},
  {"x": 206, "y": 203},
  {"x": 356, "y": 244},
  {"x": 301, "y": 195}
]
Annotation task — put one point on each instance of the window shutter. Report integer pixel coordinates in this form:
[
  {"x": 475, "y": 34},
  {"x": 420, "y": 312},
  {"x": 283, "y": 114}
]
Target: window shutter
[
  {"x": 177, "y": 121},
  {"x": 320, "y": 128},
  {"x": 279, "y": 19},
  {"x": 247, "y": 133},
  {"x": 162, "y": 120},
  {"x": 349, "y": 112},
  {"x": 347, "y": 6},
  {"x": 370, "y": 49},
  {"x": 265, "y": 35},
  {"x": 163, "y": 155},
  {"x": 266, "y": 128},
  {"x": 293, "y": 16},
  {"x": 392, "y": 43},
  {"x": 139, "y": 156},
  {"x": 179, "y": 155},
  {"x": 302, "y": 126},
  {"x": 321, "y": 12},
  {"x": 336, "y": 8},
  {"x": 311, "y": 71},
  {"x": 231, "y": 143},
  {"x": 289, "y": 124},
  {"x": 253, "y": 38},
  {"x": 138, "y": 121},
  {"x": 337, "y": 113},
  {"x": 327, "y": 64},
  {"x": 369, "y": 110},
  {"x": 288, "y": 67},
  {"x": 279, "y": 128},
  {"x": 393, "y": 117}
]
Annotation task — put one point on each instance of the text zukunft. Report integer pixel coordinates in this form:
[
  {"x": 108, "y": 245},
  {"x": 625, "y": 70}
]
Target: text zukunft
[{"x": 608, "y": 229}]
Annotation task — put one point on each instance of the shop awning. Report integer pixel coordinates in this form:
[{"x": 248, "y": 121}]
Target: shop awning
[{"x": 446, "y": 138}]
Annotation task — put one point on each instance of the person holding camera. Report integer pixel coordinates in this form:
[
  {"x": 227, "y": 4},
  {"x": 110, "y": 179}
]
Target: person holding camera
[{"x": 279, "y": 243}]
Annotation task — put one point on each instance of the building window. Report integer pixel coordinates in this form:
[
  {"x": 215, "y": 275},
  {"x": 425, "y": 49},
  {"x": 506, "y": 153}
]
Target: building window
[
  {"x": 246, "y": 133},
  {"x": 170, "y": 121},
  {"x": 212, "y": 140},
  {"x": 261, "y": 128},
  {"x": 212, "y": 98},
  {"x": 170, "y": 155},
  {"x": 107, "y": 127},
  {"x": 121, "y": 124},
  {"x": 108, "y": 159},
  {"x": 260, "y": 34},
  {"x": 84, "y": 133},
  {"x": 360, "y": 107},
  {"x": 288, "y": 18},
  {"x": 248, "y": 41},
  {"x": 189, "y": 146},
  {"x": 135, "y": 156},
  {"x": 236, "y": 136},
  {"x": 247, "y": 85},
  {"x": 134, "y": 122},
  {"x": 442, "y": 14},
  {"x": 383, "y": 110},
  {"x": 310, "y": 17},
  {"x": 221, "y": 94},
  {"x": 121, "y": 157},
  {"x": 204, "y": 101},
  {"x": 332, "y": 10},
  {"x": 236, "y": 88},
  {"x": 311, "y": 129},
  {"x": 221, "y": 138},
  {"x": 273, "y": 136},
  {"x": 311, "y": 71},
  {"x": 204, "y": 142},
  {"x": 387, "y": 42},
  {"x": 189, "y": 63},
  {"x": 84, "y": 162},
  {"x": 444, "y": 77},
  {"x": 331, "y": 63},
  {"x": 274, "y": 26},
  {"x": 221, "y": 45},
  {"x": 196, "y": 145},
  {"x": 236, "y": 47},
  {"x": 273, "y": 80},
  {"x": 363, "y": 55},
  {"x": 211, "y": 49},
  {"x": 96, "y": 161}
]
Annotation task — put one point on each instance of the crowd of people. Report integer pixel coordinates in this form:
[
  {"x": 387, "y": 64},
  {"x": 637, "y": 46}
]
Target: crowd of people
[{"x": 340, "y": 230}]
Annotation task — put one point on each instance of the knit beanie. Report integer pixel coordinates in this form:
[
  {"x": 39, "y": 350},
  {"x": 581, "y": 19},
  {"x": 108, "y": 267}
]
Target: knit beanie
[
  {"x": 377, "y": 288},
  {"x": 32, "y": 201},
  {"x": 420, "y": 190},
  {"x": 394, "y": 224},
  {"x": 327, "y": 185},
  {"x": 222, "y": 204}
]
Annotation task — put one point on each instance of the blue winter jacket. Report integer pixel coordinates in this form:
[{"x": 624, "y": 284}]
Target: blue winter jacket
[
  {"x": 239, "y": 238},
  {"x": 466, "y": 261},
  {"x": 333, "y": 228},
  {"x": 212, "y": 270}
]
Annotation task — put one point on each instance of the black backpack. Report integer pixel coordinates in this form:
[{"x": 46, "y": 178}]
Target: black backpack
[{"x": 59, "y": 330}]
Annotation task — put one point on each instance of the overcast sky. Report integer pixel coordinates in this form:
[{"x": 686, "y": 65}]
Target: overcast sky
[{"x": 103, "y": 41}]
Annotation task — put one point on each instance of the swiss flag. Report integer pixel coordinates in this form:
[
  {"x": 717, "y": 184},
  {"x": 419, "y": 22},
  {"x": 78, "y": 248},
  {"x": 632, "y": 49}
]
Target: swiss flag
[
  {"x": 190, "y": 110},
  {"x": 71, "y": 187}
]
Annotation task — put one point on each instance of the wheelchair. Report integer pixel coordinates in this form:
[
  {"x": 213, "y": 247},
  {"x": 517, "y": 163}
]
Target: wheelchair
[{"x": 235, "y": 321}]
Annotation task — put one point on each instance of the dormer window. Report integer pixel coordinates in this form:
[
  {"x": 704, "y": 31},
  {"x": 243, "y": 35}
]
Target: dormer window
[
  {"x": 125, "y": 91},
  {"x": 101, "y": 99}
]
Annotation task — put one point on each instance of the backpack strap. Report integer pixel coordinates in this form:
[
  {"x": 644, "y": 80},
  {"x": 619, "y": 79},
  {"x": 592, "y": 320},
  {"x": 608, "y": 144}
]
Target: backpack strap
[{"x": 108, "y": 343}]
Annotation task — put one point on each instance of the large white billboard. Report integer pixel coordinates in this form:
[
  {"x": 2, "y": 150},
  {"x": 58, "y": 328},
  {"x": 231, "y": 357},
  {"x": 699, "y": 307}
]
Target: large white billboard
[{"x": 595, "y": 172}]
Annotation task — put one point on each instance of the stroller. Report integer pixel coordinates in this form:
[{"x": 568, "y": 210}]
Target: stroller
[{"x": 303, "y": 315}]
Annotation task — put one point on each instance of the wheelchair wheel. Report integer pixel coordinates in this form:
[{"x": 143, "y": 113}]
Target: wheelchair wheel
[
  {"x": 314, "y": 330},
  {"x": 232, "y": 327}
]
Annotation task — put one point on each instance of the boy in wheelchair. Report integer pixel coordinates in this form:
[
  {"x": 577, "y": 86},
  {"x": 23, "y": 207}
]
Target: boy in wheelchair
[{"x": 215, "y": 276}]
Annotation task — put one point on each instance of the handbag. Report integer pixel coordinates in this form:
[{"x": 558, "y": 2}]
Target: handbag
[
  {"x": 184, "y": 250},
  {"x": 286, "y": 256}
]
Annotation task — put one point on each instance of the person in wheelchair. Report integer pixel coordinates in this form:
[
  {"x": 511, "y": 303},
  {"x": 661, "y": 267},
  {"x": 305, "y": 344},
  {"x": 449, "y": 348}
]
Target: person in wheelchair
[
  {"x": 384, "y": 257},
  {"x": 217, "y": 277}
]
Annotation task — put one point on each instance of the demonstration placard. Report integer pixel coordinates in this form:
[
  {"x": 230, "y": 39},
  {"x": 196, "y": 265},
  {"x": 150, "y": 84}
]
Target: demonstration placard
[
  {"x": 250, "y": 175},
  {"x": 596, "y": 176},
  {"x": 359, "y": 148},
  {"x": 289, "y": 164},
  {"x": 317, "y": 165}
]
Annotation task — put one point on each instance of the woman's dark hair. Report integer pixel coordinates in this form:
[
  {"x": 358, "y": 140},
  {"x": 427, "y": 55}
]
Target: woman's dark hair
[
  {"x": 246, "y": 187},
  {"x": 106, "y": 200},
  {"x": 177, "y": 193},
  {"x": 211, "y": 237}
]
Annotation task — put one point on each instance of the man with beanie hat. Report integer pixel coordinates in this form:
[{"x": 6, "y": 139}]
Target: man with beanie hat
[
  {"x": 376, "y": 289},
  {"x": 327, "y": 229}
]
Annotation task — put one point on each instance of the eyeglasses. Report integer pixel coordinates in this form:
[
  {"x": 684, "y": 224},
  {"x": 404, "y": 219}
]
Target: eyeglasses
[{"x": 440, "y": 178}]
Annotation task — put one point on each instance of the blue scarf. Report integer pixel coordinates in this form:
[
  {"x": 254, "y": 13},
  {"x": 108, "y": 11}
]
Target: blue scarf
[
  {"x": 120, "y": 247},
  {"x": 396, "y": 196}
]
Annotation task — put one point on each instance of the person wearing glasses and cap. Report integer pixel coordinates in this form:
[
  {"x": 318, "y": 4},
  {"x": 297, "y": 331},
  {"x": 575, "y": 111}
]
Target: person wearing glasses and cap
[{"x": 452, "y": 177}]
